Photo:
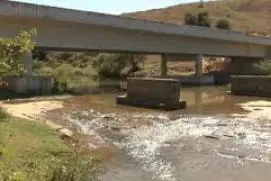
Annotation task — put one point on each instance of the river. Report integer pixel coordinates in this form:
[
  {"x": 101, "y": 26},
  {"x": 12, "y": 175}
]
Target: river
[{"x": 215, "y": 138}]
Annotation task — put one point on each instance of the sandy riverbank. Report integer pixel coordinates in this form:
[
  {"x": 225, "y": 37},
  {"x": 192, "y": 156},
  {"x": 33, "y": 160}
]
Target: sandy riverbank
[
  {"x": 34, "y": 108},
  {"x": 256, "y": 109}
]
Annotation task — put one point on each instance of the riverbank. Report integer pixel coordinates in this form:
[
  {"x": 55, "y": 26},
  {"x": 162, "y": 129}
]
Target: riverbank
[
  {"x": 33, "y": 148},
  {"x": 32, "y": 151}
]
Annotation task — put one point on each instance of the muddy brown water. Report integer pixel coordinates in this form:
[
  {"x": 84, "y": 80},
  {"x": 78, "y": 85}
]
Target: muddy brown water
[{"x": 202, "y": 142}]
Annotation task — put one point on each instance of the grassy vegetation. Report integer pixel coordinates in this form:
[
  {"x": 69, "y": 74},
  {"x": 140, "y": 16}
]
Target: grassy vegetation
[
  {"x": 151, "y": 67},
  {"x": 30, "y": 151},
  {"x": 244, "y": 15},
  {"x": 83, "y": 72},
  {"x": 263, "y": 67}
]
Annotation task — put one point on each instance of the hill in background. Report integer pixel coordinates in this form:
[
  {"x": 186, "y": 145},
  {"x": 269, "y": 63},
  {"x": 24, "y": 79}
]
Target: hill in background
[{"x": 244, "y": 15}]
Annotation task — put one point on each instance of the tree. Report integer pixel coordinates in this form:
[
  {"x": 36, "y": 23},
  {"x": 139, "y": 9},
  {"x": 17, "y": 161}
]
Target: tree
[
  {"x": 12, "y": 51},
  {"x": 223, "y": 24},
  {"x": 117, "y": 65},
  {"x": 199, "y": 19},
  {"x": 203, "y": 19},
  {"x": 190, "y": 19}
]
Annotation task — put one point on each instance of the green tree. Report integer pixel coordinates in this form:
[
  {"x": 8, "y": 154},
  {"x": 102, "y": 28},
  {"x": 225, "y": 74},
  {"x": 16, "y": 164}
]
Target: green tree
[
  {"x": 12, "y": 51},
  {"x": 117, "y": 65}
]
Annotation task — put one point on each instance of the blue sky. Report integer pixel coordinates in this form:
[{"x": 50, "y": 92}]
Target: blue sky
[{"x": 109, "y": 6}]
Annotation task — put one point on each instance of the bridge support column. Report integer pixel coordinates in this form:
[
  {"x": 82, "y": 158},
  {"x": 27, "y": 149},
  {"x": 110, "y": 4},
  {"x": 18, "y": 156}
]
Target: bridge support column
[
  {"x": 163, "y": 65},
  {"x": 28, "y": 61},
  {"x": 199, "y": 65}
]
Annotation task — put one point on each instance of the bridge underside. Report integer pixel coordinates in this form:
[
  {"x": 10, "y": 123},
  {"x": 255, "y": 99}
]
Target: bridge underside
[{"x": 63, "y": 36}]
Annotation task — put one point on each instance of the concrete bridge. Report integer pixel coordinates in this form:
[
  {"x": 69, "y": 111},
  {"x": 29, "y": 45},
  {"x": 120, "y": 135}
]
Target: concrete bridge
[{"x": 71, "y": 30}]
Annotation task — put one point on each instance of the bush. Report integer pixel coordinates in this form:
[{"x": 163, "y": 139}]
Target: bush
[
  {"x": 264, "y": 67},
  {"x": 190, "y": 19},
  {"x": 203, "y": 19},
  {"x": 223, "y": 24},
  {"x": 82, "y": 71},
  {"x": 200, "y": 19},
  {"x": 3, "y": 115},
  {"x": 74, "y": 168},
  {"x": 117, "y": 65},
  {"x": 12, "y": 51}
]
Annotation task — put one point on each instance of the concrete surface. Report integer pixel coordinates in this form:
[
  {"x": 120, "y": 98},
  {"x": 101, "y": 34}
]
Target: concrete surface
[
  {"x": 71, "y": 30},
  {"x": 29, "y": 84},
  {"x": 152, "y": 93}
]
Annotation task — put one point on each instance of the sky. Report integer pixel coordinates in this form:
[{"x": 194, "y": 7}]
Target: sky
[{"x": 109, "y": 6}]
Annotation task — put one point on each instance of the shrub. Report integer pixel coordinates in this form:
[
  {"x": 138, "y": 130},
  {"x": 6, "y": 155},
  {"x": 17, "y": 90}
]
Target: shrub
[
  {"x": 12, "y": 51},
  {"x": 200, "y": 19},
  {"x": 203, "y": 19},
  {"x": 223, "y": 24},
  {"x": 82, "y": 71},
  {"x": 74, "y": 168},
  {"x": 3, "y": 115},
  {"x": 117, "y": 65},
  {"x": 190, "y": 19},
  {"x": 263, "y": 67}
]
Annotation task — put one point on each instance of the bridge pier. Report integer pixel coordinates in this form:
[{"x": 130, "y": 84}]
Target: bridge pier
[
  {"x": 163, "y": 64},
  {"x": 28, "y": 61},
  {"x": 199, "y": 65}
]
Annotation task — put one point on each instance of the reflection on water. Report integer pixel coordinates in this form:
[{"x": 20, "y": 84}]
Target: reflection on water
[
  {"x": 199, "y": 98},
  {"x": 213, "y": 100}
]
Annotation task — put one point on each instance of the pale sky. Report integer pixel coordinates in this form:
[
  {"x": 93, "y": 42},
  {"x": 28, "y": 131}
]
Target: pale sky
[{"x": 110, "y": 6}]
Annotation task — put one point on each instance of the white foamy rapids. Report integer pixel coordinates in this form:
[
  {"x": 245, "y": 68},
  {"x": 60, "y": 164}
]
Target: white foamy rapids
[
  {"x": 89, "y": 127},
  {"x": 145, "y": 142}
]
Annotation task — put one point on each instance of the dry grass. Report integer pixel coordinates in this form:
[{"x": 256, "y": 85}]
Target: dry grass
[{"x": 245, "y": 15}]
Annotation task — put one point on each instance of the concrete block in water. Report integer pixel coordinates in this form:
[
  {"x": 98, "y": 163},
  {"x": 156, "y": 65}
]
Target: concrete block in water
[{"x": 152, "y": 93}]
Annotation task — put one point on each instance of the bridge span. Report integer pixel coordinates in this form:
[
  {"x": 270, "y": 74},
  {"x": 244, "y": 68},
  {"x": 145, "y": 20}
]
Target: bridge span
[{"x": 73, "y": 30}]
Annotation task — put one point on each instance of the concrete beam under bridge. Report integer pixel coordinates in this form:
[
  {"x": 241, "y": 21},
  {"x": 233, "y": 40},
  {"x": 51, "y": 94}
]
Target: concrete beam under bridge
[
  {"x": 180, "y": 57},
  {"x": 90, "y": 31}
]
